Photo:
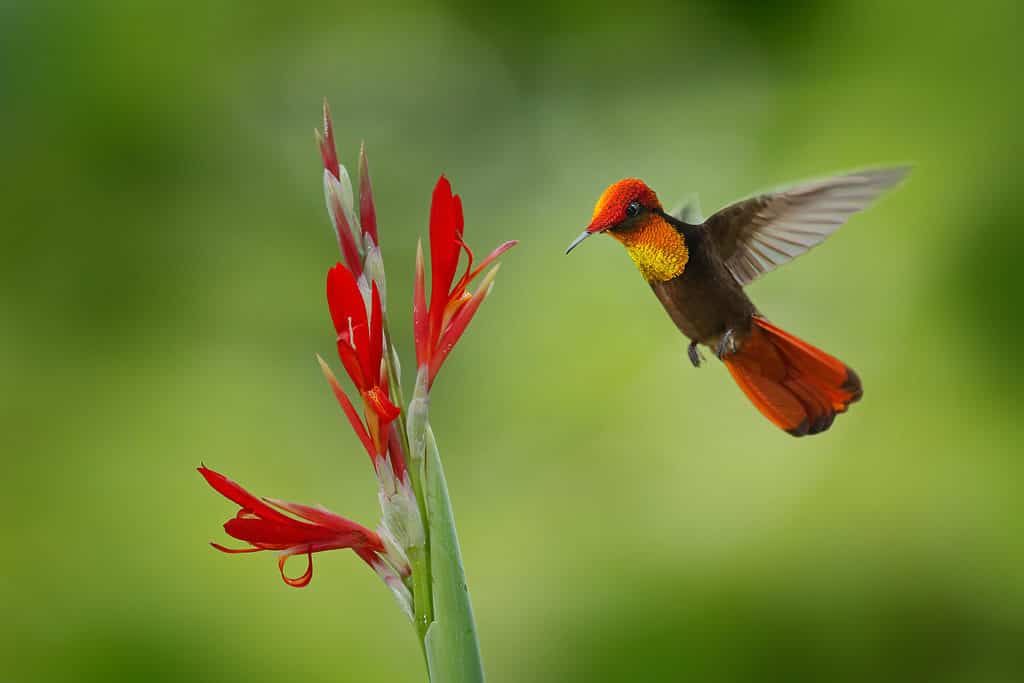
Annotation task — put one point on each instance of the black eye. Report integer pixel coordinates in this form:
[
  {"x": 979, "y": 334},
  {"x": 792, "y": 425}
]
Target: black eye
[{"x": 633, "y": 209}]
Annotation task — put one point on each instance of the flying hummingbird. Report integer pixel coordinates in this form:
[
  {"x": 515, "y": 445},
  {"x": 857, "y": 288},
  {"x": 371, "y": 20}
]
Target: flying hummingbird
[{"x": 698, "y": 269}]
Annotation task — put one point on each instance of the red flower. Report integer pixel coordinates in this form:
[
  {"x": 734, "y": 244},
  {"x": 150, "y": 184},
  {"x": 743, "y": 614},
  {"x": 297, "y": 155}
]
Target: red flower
[
  {"x": 264, "y": 528},
  {"x": 437, "y": 328},
  {"x": 361, "y": 349}
]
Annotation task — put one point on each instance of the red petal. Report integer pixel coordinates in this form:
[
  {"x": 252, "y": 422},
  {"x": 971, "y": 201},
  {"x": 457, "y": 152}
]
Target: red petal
[
  {"x": 367, "y": 210},
  {"x": 343, "y": 528},
  {"x": 490, "y": 257},
  {"x": 376, "y": 331},
  {"x": 458, "y": 325},
  {"x": 352, "y": 364},
  {"x": 328, "y": 152},
  {"x": 303, "y": 580},
  {"x": 235, "y": 551},
  {"x": 395, "y": 451},
  {"x": 419, "y": 309},
  {"x": 381, "y": 404},
  {"x": 263, "y": 533},
  {"x": 344, "y": 300},
  {"x": 235, "y": 493},
  {"x": 457, "y": 209},
  {"x": 348, "y": 313},
  {"x": 444, "y": 249},
  {"x": 348, "y": 408}
]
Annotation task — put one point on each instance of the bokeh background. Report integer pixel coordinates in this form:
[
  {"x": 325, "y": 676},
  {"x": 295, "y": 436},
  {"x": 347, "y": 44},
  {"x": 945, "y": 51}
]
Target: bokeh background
[{"x": 623, "y": 516}]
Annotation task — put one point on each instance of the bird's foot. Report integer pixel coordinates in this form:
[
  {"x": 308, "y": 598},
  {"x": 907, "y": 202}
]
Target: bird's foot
[
  {"x": 726, "y": 345},
  {"x": 694, "y": 353}
]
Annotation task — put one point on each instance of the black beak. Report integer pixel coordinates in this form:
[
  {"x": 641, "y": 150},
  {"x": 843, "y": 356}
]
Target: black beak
[{"x": 583, "y": 235}]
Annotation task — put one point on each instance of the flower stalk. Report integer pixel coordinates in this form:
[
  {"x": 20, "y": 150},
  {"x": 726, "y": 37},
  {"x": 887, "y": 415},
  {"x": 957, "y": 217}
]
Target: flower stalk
[{"x": 415, "y": 548}]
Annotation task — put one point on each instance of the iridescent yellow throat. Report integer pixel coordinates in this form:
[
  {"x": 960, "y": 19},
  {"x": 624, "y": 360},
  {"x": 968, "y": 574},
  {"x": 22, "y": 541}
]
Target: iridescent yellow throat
[{"x": 657, "y": 248}]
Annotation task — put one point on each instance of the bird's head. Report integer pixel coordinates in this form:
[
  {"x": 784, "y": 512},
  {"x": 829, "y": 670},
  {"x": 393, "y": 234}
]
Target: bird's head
[{"x": 630, "y": 212}]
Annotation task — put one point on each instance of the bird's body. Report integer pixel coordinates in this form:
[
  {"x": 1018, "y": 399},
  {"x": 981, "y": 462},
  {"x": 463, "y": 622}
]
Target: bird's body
[
  {"x": 698, "y": 272},
  {"x": 705, "y": 300}
]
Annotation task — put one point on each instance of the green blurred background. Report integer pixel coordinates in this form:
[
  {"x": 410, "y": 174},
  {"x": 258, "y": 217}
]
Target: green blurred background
[{"x": 623, "y": 517}]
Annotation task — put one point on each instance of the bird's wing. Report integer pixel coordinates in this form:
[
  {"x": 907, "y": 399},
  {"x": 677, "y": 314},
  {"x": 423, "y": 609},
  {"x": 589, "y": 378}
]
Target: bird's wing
[
  {"x": 755, "y": 236},
  {"x": 688, "y": 211}
]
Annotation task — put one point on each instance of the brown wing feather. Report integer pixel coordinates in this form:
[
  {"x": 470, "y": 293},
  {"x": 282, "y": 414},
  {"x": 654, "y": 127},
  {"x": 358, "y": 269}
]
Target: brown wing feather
[{"x": 756, "y": 235}]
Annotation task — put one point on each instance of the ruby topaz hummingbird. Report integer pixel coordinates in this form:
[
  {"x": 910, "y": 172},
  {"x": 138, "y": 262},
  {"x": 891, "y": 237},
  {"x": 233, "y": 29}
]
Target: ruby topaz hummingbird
[{"x": 698, "y": 269}]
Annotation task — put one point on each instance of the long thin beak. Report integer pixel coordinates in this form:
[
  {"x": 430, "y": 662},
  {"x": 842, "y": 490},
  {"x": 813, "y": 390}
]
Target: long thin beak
[{"x": 583, "y": 235}]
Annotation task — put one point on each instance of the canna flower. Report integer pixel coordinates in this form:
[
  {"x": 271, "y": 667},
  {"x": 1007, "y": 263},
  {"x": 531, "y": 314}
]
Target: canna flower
[
  {"x": 361, "y": 349},
  {"x": 261, "y": 523},
  {"x": 438, "y": 327}
]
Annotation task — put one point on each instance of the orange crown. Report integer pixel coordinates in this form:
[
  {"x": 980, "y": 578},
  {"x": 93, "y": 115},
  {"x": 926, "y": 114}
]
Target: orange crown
[{"x": 611, "y": 206}]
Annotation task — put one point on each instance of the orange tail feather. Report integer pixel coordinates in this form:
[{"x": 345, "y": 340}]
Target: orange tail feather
[{"x": 798, "y": 387}]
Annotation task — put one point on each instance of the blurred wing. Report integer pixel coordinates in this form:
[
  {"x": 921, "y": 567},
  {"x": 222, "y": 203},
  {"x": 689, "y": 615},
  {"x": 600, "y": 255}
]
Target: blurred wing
[
  {"x": 688, "y": 211},
  {"x": 757, "y": 235}
]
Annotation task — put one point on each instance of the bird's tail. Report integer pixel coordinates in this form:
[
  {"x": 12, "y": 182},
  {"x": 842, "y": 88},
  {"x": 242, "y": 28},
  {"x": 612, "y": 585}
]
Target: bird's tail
[{"x": 798, "y": 387}]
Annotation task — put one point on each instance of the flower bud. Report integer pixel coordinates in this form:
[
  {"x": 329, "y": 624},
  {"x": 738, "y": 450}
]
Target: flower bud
[
  {"x": 373, "y": 265},
  {"x": 416, "y": 419}
]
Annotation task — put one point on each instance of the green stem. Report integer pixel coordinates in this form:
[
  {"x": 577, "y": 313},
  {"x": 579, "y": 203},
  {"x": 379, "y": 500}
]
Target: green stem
[{"x": 452, "y": 646}]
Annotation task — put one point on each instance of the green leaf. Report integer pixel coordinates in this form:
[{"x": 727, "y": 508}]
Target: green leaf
[{"x": 453, "y": 650}]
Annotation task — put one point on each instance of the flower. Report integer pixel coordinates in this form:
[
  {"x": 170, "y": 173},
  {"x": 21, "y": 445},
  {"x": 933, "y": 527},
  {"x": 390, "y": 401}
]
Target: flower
[
  {"x": 263, "y": 527},
  {"x": 438, "y": 327},
  {"x": 357, "y": 237},
  {"x": 361, "y": 347},
  {"x": 360, "y": 344}
]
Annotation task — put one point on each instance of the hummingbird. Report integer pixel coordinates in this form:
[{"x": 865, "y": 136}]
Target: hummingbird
[{"x": 698, "y": 269}]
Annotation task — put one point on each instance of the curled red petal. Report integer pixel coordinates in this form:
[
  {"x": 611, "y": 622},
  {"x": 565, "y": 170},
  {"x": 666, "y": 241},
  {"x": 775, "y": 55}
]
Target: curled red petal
[
  {"x": 347, "y": 408},
  {"x": 234, "y": 492},
  {"x": 367, "y": 210},
  {"x": 302, "y": 581},
  {"x": 235, "y": 551},
  {"x": 419, "y": 309}
]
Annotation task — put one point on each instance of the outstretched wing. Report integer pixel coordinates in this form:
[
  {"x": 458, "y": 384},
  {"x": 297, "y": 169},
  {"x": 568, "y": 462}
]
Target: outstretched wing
[{"x": 757, "y": 235}]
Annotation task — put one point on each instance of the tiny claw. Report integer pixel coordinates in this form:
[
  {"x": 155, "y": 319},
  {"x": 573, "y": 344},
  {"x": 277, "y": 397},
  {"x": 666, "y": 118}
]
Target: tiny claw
[{"x": 694, "y": 353}]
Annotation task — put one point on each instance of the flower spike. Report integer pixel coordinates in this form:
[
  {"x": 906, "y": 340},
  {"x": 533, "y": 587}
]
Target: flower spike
[{"x": 414, "y": 549}]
